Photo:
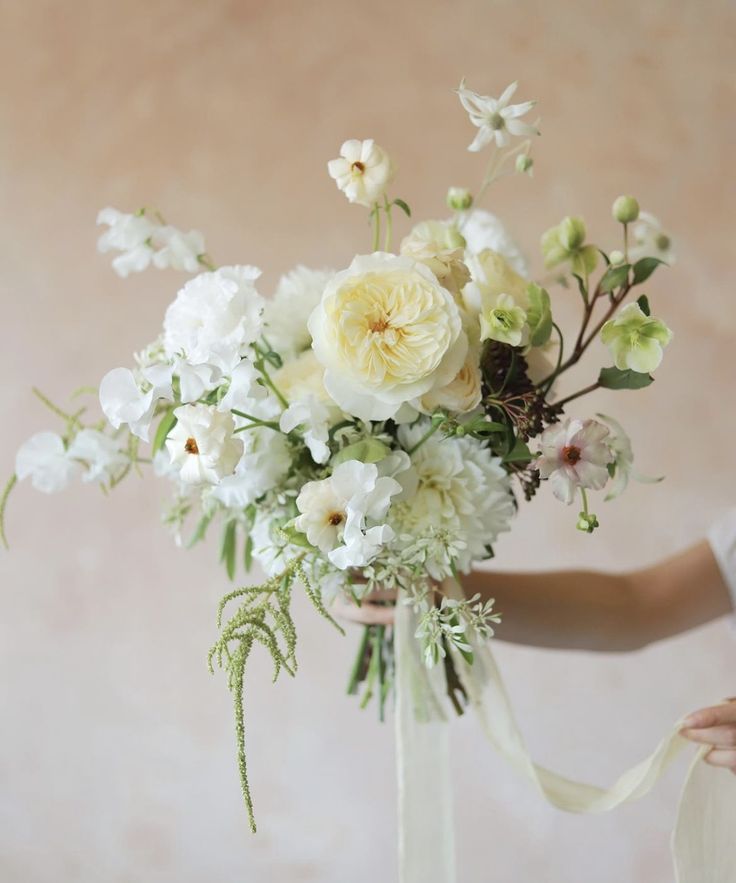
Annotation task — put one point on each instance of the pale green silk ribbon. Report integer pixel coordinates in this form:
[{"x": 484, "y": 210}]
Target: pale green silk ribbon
[{"x": 704, "y": 840}]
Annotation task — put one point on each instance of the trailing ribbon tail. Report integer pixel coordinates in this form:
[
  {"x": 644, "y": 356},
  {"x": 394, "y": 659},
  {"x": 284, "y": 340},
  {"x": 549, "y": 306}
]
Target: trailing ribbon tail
[{"x": 704, "y": 841}]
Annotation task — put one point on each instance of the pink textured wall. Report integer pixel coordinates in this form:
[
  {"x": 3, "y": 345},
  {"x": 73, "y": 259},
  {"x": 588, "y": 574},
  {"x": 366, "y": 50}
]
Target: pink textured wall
[{"x": 116, "y": 754}]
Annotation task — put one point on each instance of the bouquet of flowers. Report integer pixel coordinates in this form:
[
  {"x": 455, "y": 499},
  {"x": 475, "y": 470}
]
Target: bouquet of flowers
[{"x": 376, "y": 426}]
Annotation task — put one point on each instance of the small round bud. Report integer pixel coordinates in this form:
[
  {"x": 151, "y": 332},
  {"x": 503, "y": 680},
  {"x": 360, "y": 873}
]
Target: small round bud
[
  {"x": 524, "y": 163},
  {"x": 459, "y": 199},
  {"x": 460, "y": 431},
  {"x": 572, "y": 233},
  {"x": 616, "y": 257},
  {"x": 625, "y": 209},
  {"x": 587, "y": 522}
]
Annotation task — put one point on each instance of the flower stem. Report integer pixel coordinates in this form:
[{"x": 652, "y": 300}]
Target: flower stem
[
  {"x": 255, "y": 421},
  {"x": 584, "y": 497},
  {"x": 376, "y": 214},
  {"x": 261, "y": 365},
  {"x": 3, "y": 502},
  {"x": 357, "y": 670},
  {"x": 428, "y": 434},
  {"x": 389, "y": 224},
  {"x": 577, "y": 395}
]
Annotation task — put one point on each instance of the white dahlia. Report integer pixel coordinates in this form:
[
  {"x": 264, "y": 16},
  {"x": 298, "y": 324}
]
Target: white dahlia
[{"x": 462, "y": 490}]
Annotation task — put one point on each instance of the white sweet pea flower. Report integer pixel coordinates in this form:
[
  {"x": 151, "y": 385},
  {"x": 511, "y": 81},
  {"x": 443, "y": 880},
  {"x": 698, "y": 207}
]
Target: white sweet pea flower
[
  {"x": 123, "y": 401},
  {"x": 495, "y": 118},
  {"x": 386, "y": 332},
  {"x": 244, "y": 392},
  {"x": 574, "y": 454},
  {"x": 313, "y": 417},
  {"x": 44, "y": 459},
  {"x": 362, "y": 172},
  {"x": 202, "y": 444},
  {"x": 128, "y": 234},
  {"x": 286, "y": 314},
  {"x": 178, "y": 250},
  {"x": 339, "y": 514},
  {"x": 265, "y": 464},
  {"x": 194, "y": 380},
  {"x": 215, "y": 317},
  {"x": 100, "y": 453},
  {"x": 622, "y": 467}
]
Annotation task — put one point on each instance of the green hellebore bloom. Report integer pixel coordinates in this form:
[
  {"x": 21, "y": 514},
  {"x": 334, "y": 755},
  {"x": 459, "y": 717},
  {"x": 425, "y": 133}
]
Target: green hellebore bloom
[
  {"x": 636, "y": 340},
  {"x": 565, "y": 243},
  {"x": 506, "y": 322}
]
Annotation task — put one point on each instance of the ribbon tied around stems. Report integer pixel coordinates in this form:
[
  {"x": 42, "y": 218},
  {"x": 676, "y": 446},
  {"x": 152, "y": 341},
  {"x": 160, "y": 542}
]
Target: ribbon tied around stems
[{"x": 704, "y": 839}]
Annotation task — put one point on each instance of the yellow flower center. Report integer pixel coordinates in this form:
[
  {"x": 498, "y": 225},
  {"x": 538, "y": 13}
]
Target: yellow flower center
[
  {"x": 335, "y": 518},
  {"x": 190, "y": 446}
]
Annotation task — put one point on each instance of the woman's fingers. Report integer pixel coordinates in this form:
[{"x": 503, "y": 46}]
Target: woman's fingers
[
  {"x": 367, "y": 614},
  {"x": 712, "y": 717},
  {"x": 722, "y": 758},
  {"x": 720, "y": 737}
]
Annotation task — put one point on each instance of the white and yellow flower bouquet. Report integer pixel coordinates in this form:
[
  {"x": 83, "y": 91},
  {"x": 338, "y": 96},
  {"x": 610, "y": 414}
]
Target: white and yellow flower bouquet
[{"x": 370, "y": 427}]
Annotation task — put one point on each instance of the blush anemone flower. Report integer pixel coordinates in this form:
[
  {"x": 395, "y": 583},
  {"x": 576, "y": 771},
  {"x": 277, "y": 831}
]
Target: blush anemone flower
[{"x": 574, "y": 454}]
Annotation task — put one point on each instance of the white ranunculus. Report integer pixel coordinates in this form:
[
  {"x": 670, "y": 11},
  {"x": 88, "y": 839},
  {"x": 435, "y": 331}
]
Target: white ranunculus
[
  {"x": 128, "y": 234},
  {"x": 215, "y": 317},
  {"x": 100, "y": 453},
  {"x": 344, "y": 515},
  {"x": 265, "y": 463},
  {"x": 202, "y": 444},
  {"x": 574, "y": 454},
  {"x": 482, "y": 230},
  {"x": 387, "y": 332},
  {"x": 123, "y": 401},
  {"x": 44, "y": 459},
  {"x": 178, "y": 250},
  {"x": 286, "y": 314},
  {"x": 313, "y": 419},
  {"x": 462, "y": 490},
  {"x": 362, "y": 172}
]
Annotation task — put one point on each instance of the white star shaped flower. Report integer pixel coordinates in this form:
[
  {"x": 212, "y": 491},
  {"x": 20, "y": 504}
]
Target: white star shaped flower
[{"x": 496, "y": 119}]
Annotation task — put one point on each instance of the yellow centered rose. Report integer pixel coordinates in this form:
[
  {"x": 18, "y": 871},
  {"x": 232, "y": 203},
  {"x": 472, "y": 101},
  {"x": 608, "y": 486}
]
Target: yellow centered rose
[{"x": 387, "y": 333}]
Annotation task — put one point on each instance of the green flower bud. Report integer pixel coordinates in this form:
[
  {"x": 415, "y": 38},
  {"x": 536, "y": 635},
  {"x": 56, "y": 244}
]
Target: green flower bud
[
  {"x": 459, "y": 199},
  {"x": 506, "y": 322},
  {"x": 572, "y": 233},
  {"x": 625, "y": 209},
  {"x": 616, "y": 257},
  {"x": 587, "y": 522},
  {"x": 524, "y": 163}
]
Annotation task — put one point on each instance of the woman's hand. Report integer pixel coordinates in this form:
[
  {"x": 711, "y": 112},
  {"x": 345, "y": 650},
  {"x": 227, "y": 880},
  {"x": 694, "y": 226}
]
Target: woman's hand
[
  {"x": 715, "y": 726},
  {"x": 377, "y": 608}
]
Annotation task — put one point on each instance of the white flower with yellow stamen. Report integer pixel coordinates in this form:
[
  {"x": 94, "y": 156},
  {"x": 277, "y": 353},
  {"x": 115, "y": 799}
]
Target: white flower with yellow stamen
[
  {"x": 202, "y": 445},
  {"x": 362, "y": 171},
  {"x": 387, "y": 332}
]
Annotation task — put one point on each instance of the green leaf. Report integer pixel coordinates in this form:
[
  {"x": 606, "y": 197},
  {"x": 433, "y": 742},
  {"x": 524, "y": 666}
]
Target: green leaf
[
  {"x": 614, "y": 277},
  {"x": 168, "y": 422},
  {"x": 615, "y": 378},
  {"x": 248, "y": 553},
  {"x": 227, "y": 550},
  {"x": 644, "y": 268},
  {"x": 201, "y": 530},
  {"x": 643, "y": 302},
  {"x": 296, "y": 537},
  {"x": 520, "y": 453},
  {"x": 403, "y": 206},
  {"x": 605, "y": 257},
  {"x": 367, "y": 450},
  {"x": 539, "y": 315}
]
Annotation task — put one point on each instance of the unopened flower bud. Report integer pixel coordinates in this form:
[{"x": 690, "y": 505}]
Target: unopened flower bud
[
  {"x": 625, "y": 209},
  {"x": 572, "y": 233},
  {"x": 524, "y": 163},
  {"x": 587, "y": 522},
  {"x": 616, "y": 257},
  {"x": 459, "y": 199}
]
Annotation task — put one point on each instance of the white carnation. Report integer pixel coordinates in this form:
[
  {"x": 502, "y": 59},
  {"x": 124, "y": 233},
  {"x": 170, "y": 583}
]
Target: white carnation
[
  {"x": 483, "y": 230},
  {"x": 215, "y": 317},
  {"x": 287, "y": 313},
  {"x": 462, "y": 490}
]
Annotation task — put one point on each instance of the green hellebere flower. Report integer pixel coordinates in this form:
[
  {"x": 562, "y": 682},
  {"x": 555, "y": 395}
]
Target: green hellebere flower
[
  {"x": 506, "y": 322},
  {"x": 566, "y": 242},
  {"x": 636, "y": 340}
]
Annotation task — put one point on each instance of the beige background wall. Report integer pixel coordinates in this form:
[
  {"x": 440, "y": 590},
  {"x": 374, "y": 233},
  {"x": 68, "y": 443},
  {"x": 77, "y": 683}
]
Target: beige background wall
[{"x": 116, "y": 754}]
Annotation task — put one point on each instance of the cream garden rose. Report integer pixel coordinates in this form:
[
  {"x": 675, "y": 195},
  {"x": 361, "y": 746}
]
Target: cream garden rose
[
  {"x": 387, "y": 333},
  {"x": 463, "y": 393},
  {"x": 440, "y": 246}
]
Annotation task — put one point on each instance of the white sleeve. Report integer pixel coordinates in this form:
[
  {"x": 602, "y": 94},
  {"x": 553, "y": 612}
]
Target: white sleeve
[{"x": 722, "y": 539}]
